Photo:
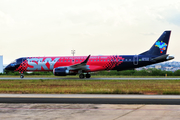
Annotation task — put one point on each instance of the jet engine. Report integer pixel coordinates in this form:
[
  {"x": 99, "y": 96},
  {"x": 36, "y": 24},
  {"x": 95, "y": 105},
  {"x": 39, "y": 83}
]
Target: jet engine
[{"x": 62, "y": 71}]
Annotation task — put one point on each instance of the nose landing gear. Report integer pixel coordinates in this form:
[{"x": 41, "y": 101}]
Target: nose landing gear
[{"x": 21, "y": 76}]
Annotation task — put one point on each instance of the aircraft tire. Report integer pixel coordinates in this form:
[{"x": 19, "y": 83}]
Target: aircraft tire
[
  {"x": 88, "y": 75},
  {"x": 81, "y": 76},
  {"x": 22, "y": 76}
]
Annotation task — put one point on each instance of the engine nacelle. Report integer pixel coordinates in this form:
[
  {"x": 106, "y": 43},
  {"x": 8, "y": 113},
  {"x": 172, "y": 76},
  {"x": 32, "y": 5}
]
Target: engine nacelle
[{"x": 61, "y": 71}]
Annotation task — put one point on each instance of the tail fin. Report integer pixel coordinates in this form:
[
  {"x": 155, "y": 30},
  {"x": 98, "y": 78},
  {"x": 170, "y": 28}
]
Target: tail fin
[{"x": 160, "y": 46}]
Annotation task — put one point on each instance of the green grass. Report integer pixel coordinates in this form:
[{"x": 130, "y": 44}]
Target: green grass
[
  {"x": 90, "y": 86},
  {"x": 92, "y": 76}
]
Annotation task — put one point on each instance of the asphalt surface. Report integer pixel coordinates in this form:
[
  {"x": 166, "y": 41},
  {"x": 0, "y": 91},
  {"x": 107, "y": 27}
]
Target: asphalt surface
[
  {"x": 26, "y": 78},
  {"x": 90, "y": 99},
  {"x": 58, "y": 111}
]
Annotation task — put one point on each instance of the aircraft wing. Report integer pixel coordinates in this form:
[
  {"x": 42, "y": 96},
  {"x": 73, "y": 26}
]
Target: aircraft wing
[{"x": 80, "y": 66}]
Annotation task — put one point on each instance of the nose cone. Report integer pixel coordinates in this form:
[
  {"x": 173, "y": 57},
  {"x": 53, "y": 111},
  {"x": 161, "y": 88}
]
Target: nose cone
[{"x": 10, "y": 67}]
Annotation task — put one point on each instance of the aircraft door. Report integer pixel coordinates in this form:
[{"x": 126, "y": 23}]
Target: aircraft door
[{"x": 135, "y": 60}]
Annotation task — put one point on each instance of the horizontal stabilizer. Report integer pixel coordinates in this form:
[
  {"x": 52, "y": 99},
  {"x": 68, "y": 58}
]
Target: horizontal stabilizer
[{"x": 163, "y": 58}]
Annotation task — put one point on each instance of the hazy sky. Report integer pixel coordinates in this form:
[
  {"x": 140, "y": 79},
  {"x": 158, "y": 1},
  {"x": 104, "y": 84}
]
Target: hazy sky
[{"x": 96, "y": 27}]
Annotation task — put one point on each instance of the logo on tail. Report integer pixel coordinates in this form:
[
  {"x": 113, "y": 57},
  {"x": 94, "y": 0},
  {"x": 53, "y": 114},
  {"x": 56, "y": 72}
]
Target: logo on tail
[{"x": 161, "y": 45}]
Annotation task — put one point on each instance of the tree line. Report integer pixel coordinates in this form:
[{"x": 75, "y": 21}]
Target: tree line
[{"x": 144, "y": 72}]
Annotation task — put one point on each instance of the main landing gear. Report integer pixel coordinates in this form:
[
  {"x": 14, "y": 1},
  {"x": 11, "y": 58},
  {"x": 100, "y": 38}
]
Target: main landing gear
[
  {"x": 81, "y": 76},
  {"x": 88, "y": 75}
]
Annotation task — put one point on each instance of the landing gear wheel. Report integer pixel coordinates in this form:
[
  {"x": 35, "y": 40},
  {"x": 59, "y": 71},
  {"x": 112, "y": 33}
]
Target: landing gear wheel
[
  {"x": 22, "y": 76},
  {"x": 88, "y": 75},
  {"x": 81, "y": 76}
]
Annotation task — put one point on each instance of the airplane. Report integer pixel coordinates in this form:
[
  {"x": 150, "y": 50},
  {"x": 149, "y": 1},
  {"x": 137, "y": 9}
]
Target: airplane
[{"x": 84, "y": 65}]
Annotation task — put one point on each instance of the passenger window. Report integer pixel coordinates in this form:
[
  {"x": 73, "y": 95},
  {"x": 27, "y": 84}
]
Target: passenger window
[
  {"x": 68, "y": 60},
  {"x": 104, "y": 60},
  {"x": 76, "y": 60}
]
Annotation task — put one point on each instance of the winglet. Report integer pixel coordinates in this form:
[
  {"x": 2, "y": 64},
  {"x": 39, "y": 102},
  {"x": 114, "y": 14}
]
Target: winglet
[{"x": 86, "y": 60}]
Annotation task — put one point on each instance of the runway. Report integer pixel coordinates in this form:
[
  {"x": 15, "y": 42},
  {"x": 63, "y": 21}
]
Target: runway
[
  {"x": 90, "y": 99},
  {"x": 32, "y": 78}
]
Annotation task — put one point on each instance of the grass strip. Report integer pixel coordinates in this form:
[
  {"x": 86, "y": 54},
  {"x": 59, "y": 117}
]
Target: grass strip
[
  {"x": 79, "y": 86},
  {"x": 93, "y": 76}
]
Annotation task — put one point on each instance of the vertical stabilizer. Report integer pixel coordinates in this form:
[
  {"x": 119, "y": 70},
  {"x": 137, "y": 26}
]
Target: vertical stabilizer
[{"x": 160, "y": 46}]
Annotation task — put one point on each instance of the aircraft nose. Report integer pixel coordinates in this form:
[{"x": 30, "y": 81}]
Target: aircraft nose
[
  {"x": 7, "y": 67},
  {"x": 10, "y": 67}
]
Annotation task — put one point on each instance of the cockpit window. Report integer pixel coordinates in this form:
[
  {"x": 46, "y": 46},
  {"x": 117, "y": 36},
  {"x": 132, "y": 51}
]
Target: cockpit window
[{"x": 20, "y": 60}]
